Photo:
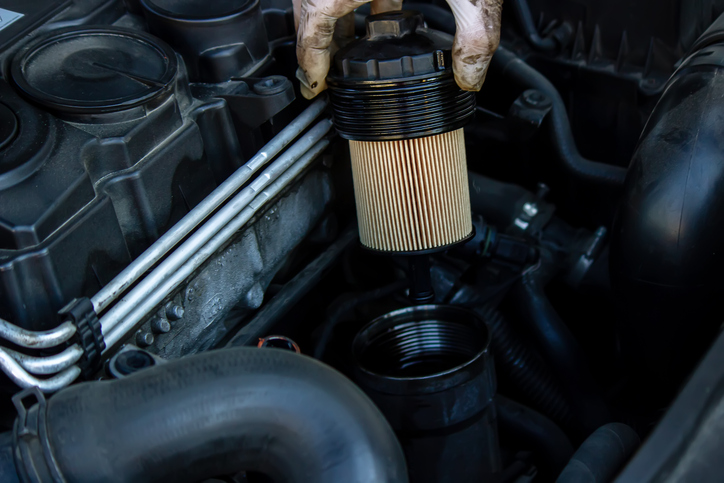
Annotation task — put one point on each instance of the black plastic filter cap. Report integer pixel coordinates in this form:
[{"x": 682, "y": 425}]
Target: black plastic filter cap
[
  {"x": 94, "y": 70},
  {"x": 397, "y": 82}
]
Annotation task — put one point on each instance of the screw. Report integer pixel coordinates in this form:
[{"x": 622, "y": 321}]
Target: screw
[
  {"x": 144, "y": 339},
  {"x": 160, "y": 326},
  {"x": 174, "y": 312},
  {"x": 530, "y": 209},
  {"x": 271, "y": 85},
  {"x": 534, "y": 98}
]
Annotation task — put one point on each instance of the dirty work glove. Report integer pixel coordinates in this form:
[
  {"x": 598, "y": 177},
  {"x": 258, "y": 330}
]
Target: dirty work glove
[{"x": 477, "y": 36}]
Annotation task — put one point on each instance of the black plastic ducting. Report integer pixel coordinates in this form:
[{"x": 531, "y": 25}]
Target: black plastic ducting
[
  {"x": 219, "y": 39},
  {"x": 269, "y": 411},
  {"x": 429, "y": 370},
  {"x": 397, "y": 82},
  {"x": 666, "y": 250}
]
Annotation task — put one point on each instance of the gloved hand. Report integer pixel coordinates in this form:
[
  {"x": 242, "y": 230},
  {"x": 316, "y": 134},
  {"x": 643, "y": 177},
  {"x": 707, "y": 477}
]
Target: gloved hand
[{"x": 477, "y": 37}]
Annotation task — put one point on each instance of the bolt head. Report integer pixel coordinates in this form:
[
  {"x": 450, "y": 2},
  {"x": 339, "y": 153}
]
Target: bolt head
[
  {"x": 174, "y": 312},
  {"x": 530, "y": 209},
  {"x": 161, "y": 326},
  {"x": 144, "y": 339}
]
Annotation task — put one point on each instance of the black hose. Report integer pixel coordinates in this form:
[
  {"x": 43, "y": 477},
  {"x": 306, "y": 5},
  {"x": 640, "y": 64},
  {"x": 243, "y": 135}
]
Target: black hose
[
  {"x": 499, "y": 203},
  {"x": 437, "y": 18},
  {"x": 269, "y": 411},
  {"x": 560, "y": 349},
  {"x": 512, "y": 67},
  {"x": 601, "y": 456},
  {"x": 530, "y": 31},
  {"x": 8, "y": 471},
  {"x": 524, "y": 371},
  {"x": 538, "y": 434}
]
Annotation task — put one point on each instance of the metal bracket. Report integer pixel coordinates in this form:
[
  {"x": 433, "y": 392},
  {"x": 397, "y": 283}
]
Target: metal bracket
[{"x": 528, "y": 112}]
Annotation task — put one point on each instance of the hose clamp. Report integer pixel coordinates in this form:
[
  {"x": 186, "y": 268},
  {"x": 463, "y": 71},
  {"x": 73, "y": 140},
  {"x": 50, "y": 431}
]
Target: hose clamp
[{"x": 34, "y": 459}]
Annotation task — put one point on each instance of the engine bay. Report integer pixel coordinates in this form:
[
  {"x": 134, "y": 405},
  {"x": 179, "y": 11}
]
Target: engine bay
[{"x": 206, "y": 277}]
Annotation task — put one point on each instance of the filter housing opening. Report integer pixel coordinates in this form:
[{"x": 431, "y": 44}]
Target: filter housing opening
[{"x": 421, "y": 342}]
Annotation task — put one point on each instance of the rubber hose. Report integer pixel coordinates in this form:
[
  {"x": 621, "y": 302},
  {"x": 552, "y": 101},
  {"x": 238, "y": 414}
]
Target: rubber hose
[
  {"x": 8, "y": 471},
  {"x": 561, "y": 350},
  {"x": 512, "y": 67},
  {"x": 528, "y": 375},
  {"x": 537, "y": 433},
  {"x": 437, "y": 18},
  {"x": 530, "y": 31},
  {"x": 499, "y": 203},
  {"x": 270, "y": 411},
  {"x": 601, "y": 456}
]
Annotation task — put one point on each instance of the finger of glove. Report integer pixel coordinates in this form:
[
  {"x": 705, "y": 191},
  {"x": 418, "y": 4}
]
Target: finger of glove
[
  {"x": 315, "y": 29},
  {"x": 477, "y": 36}
]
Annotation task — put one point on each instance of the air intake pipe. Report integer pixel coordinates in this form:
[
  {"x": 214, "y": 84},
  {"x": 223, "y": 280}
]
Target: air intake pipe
[
  {"x": 394, "y": 97},
  {"x": 281, "y": 414},
  {"x": 666, "y": 252}
]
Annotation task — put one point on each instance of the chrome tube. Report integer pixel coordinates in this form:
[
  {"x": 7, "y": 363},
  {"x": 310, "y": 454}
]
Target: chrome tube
[
  {"x": 123, "y": 326},
  {"x": 211, "y": 227},
  {"x": 36, "y": 340},
  {"x": 19, "y": 376},
  {"x": 196, "y": 216},
  {"x": 47, "y": 365}
]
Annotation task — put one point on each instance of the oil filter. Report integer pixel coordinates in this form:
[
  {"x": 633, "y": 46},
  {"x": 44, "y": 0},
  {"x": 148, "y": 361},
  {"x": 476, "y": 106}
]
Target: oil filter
[
  {"x": 395, "y": 98},
  {"x": 429, "y": 370}
]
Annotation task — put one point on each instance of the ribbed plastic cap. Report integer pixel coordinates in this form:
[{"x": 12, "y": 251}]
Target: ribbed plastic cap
[{"x": 397, "y": 82}]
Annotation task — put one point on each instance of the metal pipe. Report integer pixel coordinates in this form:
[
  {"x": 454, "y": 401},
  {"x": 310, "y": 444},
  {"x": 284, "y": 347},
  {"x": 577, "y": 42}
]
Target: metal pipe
[
  {"x": 125, "y": 325},
  {"x": 19, "y": 376},
  {"x": 211, "y": 227},
  {"x": 36, "y": 340},
  {"x": 180, "y": 230},
  {"x": 100, "y": 301},
  {"x": 48, "y": 365}
]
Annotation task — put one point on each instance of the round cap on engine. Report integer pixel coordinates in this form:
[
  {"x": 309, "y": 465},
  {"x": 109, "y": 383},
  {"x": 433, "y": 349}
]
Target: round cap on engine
[
  {"x": 397, "y": 82},
  {"x": 95, "y": 70}
]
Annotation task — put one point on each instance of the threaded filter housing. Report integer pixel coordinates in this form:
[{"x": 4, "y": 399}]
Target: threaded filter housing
[{"x": 395, "y": 98}]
